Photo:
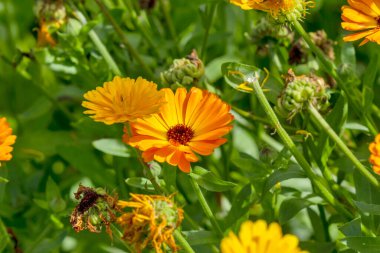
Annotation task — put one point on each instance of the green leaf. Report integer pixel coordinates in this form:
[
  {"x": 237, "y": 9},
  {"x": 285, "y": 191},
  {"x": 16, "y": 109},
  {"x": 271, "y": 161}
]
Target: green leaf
[
  {"x": 113, "y": 147},
  {"x": 364, "y": 244},
  {"x": 368, "y": 208},
  {"x": 317, "y": 247},
  {"x": 293, "y": 171},
  {"x": 3, "y": 180},
  {"x": 4, "y": 237},
  {"x": 169, "y": 174},
  {"x": 209, "y": 181},
  {"x": 290, "y": 207},
  {"x": 352, "y": 228},
  {"x": 140, "y": 182},
  {"x": 200, "y": 237},
  {"x": 316, "y": 221},
  {"x": 241, "y": 205},
  {"x": 369, "y": 79},
  {"x": 53, "y": 196}
]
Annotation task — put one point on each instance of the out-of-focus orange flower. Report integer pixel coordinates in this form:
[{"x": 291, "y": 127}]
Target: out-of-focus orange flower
[
  {"x": 6, "y": 140},
  {"x": 374, "y": 159},
  {"x": 151, "y": 221},
  {"x": 190, "y": 122},
  {"x": 363, "y": 17},
  {"x": 123, "y": 100},
  {"x": 259, "y": 237},
  {"x": 44, "y": 37}
]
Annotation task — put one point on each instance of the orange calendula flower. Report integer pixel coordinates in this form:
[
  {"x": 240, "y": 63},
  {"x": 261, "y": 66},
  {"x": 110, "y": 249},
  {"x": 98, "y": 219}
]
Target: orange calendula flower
[
  {"x": 363, "y": 17},
  {"x": 374, "y": 159},
  {"x": 123, "y": 99},
  {"x": 191, "y": 122},
  {"x": 6, "y": 140},
  {"x": 276, "y": 7},
  {"x": 258, "y": 237},
  {"x": 151, "y": 221}
]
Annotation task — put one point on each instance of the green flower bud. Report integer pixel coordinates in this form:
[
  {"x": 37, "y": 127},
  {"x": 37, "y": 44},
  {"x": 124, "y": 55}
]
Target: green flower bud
[
  {"x": 184, "y": 71},
  {"x": 299, "y": 91}
]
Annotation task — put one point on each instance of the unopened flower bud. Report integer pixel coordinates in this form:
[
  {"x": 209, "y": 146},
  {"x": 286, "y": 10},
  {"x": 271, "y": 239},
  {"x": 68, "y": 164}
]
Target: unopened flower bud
[
  {"x": 299, "y": 92},
  {"x": 184, "y": 71}
]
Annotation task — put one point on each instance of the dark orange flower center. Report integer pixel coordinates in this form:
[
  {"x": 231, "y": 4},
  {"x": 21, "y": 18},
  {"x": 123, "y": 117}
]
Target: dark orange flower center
[{"x": 180, "y": 134}]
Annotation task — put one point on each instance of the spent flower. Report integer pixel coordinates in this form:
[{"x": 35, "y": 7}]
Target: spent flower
[
  {"x": 123, "y": 100},
  {"x": 190, "y": 122},
  {"x": 259, "y": 237},
  {"x": 151, "y": 221},
  {"x": 95, "y": 209}
]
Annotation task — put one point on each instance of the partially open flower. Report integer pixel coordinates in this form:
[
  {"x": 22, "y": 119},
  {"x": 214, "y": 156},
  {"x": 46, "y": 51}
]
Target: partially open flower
[
  {"x": 299, "y": 92},
  {"x": 150, "y": 222},
  {"x": 95, "y": 209},
  {"x": 374, "y": 159},
  {"x": 123, "y": 100},
  {"x": 184, "y": 71},
  {"x": 6, "y": 140},
  {"x": 259, "y": 237},
  {"x": 282, "y": 10}
]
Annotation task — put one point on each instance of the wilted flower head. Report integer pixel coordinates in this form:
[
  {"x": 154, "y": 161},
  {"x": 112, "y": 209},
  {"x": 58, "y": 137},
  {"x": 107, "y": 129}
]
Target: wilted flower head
[
  {"x": 259, "y": 237},
  {"x": 123, "y": 100},
  {"x": 363, "y": 17},
  {"x": 190, "y": 122},
  {"x": 95, "y": 209},
  {"x": 374, "y": 159},
  {"x": 184, "y": 71},
  {"x": 299, "y": 92},
  {"x": 6, "y": 140},
  {"x": 282, "y": 10},
  {"x": 150, "y": 222}
]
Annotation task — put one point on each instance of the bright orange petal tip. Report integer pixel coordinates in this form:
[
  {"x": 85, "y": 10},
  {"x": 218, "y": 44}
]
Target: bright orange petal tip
[
  {"x": 6, "y": 140},
  {"x": 122, "y": 100},
  {"x": 189, "y": 123},
  {"x": 362, "y": 17}
]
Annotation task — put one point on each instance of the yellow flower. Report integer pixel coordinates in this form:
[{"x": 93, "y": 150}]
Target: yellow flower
[
  {"x": 276, "y": 7},
  {"x": 152, "y": 220},
  {"x": 258, "y": 237},
  {"x": 122, "y": 100},
  {"x": 362, "y": 16},
  {"x": 191, "y": 122},
  {"x": 374, "y": 159},
  {"x": 6, "y": 140}
]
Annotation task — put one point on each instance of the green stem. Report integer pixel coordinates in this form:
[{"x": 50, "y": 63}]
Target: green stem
[
  {"x": 119, "y": 238},
  {"x": 183, "y": 242},
  {"x": 145, "y": 167},
  {"x": 124, "y": 39},
  {"x": 206, "y": 208},
  {"x": 325, "y": 126},
  {"x": 354, "y": 96},
  {"x": 210, "y": 16},
  {"x": 169, "y": 22},
  {"x": 316, "y": 181},
  {"x": 99, "y": 44}
]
